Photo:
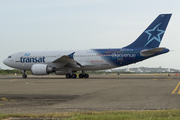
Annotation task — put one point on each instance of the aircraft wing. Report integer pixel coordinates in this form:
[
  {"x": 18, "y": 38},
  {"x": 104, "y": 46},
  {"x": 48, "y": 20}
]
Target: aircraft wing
[
  {"x": 83, "y": 64},
  {"x": 149, "y": 52},
  {"x": 70, "y": 62}
]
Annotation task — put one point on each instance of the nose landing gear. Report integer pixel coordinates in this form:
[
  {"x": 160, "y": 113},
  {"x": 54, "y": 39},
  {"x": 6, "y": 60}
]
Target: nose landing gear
[{"x": 24, "y": 74}]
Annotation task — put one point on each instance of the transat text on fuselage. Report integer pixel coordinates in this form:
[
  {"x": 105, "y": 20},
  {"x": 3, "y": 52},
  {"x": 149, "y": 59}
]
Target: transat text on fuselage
[{"x": 27, "y": 59}]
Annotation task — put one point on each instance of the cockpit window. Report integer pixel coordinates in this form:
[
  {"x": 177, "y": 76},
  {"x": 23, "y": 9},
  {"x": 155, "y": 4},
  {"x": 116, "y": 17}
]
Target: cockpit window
[{"x": 9, "y": 56}]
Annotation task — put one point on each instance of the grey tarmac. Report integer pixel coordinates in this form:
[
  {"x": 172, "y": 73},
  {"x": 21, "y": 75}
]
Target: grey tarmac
[{"x": 52, "y": 94}]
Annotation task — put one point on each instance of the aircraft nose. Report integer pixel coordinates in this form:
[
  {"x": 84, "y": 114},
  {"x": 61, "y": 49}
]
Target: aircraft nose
[{"x": 5, "y": 61}]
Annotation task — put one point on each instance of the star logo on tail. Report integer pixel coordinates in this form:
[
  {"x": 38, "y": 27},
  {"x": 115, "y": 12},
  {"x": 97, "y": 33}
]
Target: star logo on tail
[{"x": 154, "y": 34}]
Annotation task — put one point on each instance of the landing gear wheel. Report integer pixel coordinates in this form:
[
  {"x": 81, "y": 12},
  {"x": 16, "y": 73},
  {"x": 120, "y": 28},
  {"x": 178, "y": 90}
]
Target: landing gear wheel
[
  {"x": 86, "y": 75},
  {"x": 73, "y": 76},
  {"x": 68, "y": 76},
  {"x": 24, "y": 76},
  {"x": 81, "y": 75}
]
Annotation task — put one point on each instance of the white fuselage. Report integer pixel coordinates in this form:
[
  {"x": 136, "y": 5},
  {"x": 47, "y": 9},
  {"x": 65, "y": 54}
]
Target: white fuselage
[{"x": 88, "y": 58}]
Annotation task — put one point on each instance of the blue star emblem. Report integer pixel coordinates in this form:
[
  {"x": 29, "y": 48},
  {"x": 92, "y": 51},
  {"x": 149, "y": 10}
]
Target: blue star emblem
[{"x": 154, "y": 34}]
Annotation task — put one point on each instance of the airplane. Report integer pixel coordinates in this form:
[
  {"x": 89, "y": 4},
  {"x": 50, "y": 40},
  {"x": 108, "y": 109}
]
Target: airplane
[{"x": 68, "y": 62}]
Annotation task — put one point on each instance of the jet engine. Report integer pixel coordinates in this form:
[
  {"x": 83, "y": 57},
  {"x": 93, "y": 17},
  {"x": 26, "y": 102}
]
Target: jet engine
[{"x": 41, "y": 69}]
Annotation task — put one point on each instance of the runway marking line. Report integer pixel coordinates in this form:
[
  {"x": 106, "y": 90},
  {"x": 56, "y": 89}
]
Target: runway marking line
[
  {"x": 176, "y": 89},
  {"x": 1, "y": 104}
]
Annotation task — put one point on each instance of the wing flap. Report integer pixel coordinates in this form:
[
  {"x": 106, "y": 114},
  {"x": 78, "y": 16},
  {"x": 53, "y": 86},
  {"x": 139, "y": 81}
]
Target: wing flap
[{"x": 83, "y": 64}]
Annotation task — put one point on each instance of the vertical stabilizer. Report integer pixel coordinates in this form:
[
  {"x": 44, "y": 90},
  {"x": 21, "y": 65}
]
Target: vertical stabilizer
[{"x": 153, "y": 35}]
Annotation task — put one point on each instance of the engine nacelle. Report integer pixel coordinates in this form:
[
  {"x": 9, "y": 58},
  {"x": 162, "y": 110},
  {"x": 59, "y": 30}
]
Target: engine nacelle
[{"x": 41, "y": 69}]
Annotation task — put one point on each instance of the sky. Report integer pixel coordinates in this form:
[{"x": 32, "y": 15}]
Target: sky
[{"x": 86, "y": 24}]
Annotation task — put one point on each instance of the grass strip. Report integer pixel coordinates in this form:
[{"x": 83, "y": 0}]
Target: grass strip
[{"x": 105, "y": 115}]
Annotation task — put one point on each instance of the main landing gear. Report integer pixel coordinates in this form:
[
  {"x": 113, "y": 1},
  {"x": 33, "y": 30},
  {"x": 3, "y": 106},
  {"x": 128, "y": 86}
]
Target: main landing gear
[
  {"x": 71, "y": 76},
  {"x": 83, "y": 75},
  {"x": 24, "y": 74}
]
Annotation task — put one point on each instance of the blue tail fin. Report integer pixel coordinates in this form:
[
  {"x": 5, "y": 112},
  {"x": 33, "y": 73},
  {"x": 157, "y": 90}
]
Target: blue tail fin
[{"x": 153, "y": 35}]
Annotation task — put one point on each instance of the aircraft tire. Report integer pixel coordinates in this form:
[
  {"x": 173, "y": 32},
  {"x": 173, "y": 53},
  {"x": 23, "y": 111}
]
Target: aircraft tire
[
  {"x": 24, "y": 76},
  {"x": 68, "y": 76},
  {"x": 73, "y": 76},
  {"x": 81, "y": 75},
  {"x": 86, "y": 75}
]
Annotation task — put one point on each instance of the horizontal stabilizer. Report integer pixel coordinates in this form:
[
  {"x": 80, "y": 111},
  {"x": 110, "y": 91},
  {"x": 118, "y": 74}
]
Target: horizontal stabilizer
[{"x": 149, "y": 52}]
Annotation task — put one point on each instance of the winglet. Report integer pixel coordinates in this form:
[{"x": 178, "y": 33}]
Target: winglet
[{"x": 71, "y": 55}]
